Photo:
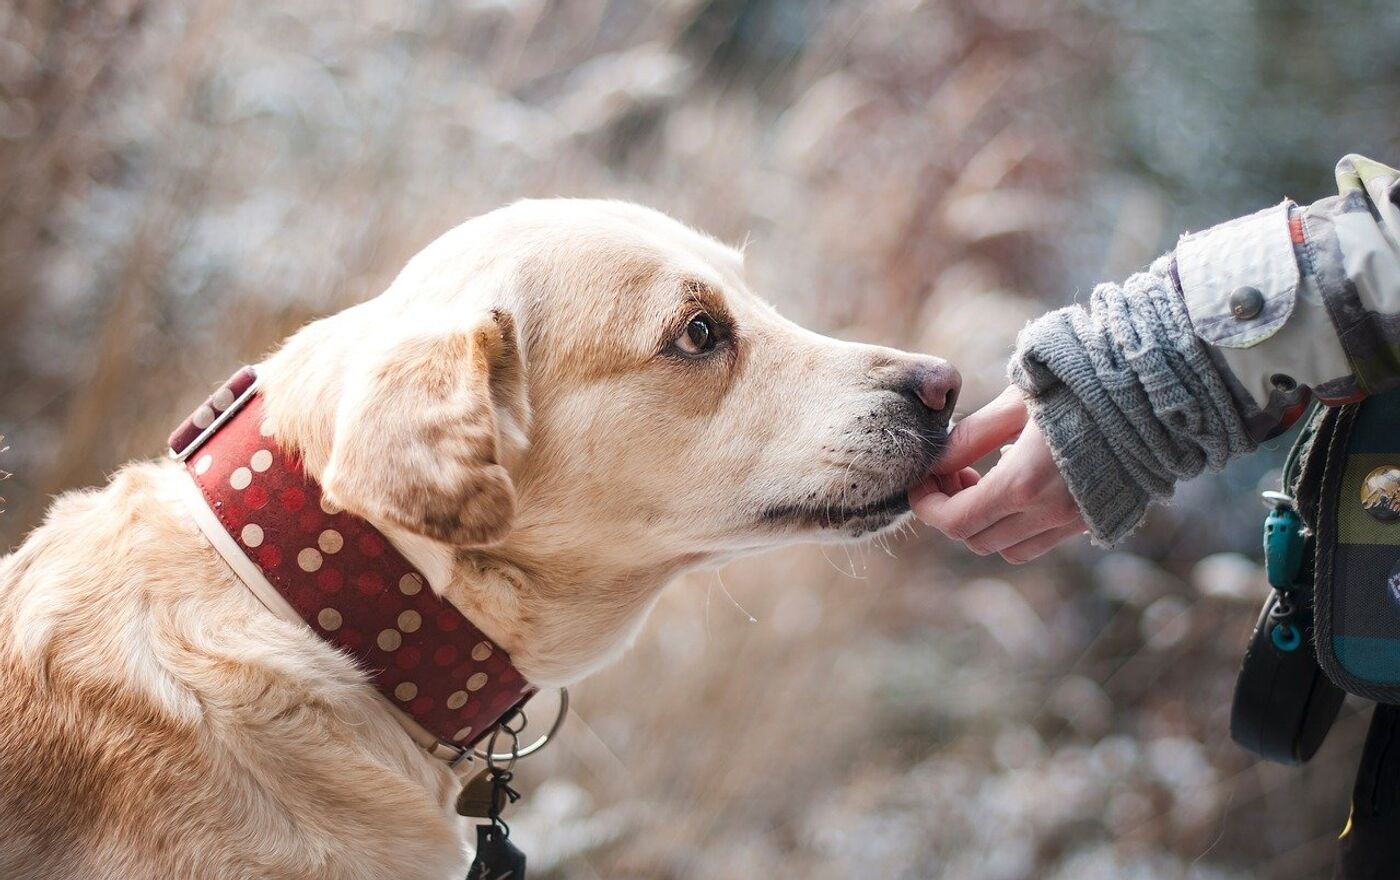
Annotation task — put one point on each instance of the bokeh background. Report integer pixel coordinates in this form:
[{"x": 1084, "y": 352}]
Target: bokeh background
[{"x": 182, "y": 184}]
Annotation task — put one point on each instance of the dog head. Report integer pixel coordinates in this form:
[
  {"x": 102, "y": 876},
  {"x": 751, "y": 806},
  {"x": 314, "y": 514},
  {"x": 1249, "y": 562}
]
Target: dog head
[{"x": 577, "y": 399}]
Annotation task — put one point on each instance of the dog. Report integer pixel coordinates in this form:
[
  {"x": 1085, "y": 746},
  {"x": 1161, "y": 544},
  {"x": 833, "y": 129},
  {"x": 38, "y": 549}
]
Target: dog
[{"x": 551, "y": 412}]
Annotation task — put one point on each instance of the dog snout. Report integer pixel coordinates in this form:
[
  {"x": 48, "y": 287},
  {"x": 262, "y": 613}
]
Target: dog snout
[
  {"x": 933, "y": 383},
  {"x": 938, "y": 385}
]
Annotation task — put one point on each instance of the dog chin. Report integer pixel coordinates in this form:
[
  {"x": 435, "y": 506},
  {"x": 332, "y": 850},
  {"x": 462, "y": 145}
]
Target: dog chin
[
  {"x": 874, "y": 525},
  {"x": 848, "y": 520},
  {"x": 875, "y": 522}
]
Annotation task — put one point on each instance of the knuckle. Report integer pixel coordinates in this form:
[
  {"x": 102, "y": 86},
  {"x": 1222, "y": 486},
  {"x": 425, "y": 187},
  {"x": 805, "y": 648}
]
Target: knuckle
[{"x": 960, "y": 530}]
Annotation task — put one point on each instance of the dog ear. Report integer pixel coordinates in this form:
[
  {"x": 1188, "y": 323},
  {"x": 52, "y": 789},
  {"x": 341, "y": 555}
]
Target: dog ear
[{"x": 419, "y": 434}]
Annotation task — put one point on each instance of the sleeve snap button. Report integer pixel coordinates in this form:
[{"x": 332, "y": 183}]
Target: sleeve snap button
[{"x": 1246, "y": 303}]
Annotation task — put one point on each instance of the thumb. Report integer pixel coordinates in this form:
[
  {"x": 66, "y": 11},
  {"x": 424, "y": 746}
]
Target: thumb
[{"x": 991, "y": 427}]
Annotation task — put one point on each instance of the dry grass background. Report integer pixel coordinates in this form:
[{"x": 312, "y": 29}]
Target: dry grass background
[{"x": 184, "y": 184}]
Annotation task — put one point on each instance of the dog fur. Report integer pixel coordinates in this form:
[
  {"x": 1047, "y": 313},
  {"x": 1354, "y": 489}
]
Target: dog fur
[{"x": 514, "y": 412}]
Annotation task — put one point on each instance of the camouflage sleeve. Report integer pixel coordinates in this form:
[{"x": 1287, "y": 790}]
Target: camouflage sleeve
[{"x": 1296, "y": 301}]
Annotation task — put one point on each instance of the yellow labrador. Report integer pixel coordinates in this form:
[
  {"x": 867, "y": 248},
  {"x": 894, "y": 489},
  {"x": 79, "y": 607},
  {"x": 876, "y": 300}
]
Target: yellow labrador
[{"x": 553, "y": 410}]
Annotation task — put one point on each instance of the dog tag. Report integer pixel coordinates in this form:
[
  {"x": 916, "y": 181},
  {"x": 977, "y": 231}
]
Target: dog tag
[
  {"x": 496, "y": 857},
  {"x": 481, "y": 797}
]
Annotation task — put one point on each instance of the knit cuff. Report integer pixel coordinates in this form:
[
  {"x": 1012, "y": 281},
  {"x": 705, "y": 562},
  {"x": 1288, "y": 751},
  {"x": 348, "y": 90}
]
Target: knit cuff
[
  {"x": 1127, "y": 398},
  {"x": 1112, "y": 502}
]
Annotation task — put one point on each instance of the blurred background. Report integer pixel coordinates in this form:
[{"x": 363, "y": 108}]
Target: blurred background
[{"x": 183, "y": 184}]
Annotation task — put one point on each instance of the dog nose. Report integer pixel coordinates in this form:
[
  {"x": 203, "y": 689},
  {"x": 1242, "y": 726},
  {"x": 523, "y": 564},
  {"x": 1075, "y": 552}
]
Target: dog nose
[{"x": 936, "y": 383}]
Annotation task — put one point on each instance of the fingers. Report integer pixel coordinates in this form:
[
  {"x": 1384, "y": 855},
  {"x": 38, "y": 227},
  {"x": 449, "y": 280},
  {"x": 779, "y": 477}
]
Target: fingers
[
  {"x": 1041, "y": 544},
  {"x": 969, "y": 477},
  {"x": 952, "y": 484},
  {"x": 986, "y": 430},
  {"x": 947, "y": 484},
  {"x": 990, "y": 428},
  {"x": 1022, "y": 508},
  {"x": 962, "y": 515},
  {"x": 1006, "y": 532}
]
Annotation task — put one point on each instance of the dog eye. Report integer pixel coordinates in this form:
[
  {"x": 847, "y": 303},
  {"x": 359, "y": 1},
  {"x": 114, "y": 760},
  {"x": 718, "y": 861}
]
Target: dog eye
[{"x": 699, "y": 336}]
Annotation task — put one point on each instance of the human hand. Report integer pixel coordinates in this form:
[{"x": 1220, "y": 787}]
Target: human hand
[{"x": 1021, "y": 508}]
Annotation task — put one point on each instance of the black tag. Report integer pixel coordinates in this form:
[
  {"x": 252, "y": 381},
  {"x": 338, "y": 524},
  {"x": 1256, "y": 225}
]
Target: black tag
[
  {"x": 481, "y": 797},
  {"x": 496, "y": 857}
]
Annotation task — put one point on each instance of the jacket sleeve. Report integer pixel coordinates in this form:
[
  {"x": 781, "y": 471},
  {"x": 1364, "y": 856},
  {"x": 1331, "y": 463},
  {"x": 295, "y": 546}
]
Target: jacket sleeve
[
  {"x": 1296, "y": 300},
  {"x": 1218, "y": 346}
]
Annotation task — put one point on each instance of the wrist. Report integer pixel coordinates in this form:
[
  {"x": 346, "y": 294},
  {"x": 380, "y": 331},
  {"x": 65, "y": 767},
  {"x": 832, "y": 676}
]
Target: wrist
[{"x": 1111, "y": 501}]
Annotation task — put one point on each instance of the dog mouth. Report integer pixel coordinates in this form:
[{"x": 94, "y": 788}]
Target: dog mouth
[
  {"x": 852, "y": 519},
  {"x": 908, "y": 455}
]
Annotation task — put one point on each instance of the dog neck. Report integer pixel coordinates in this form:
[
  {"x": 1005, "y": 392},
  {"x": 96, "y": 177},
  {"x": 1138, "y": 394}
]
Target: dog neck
[{"x": 562, "y": 619}]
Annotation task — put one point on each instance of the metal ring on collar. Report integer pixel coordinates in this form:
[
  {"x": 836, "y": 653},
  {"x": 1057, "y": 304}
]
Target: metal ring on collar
[{"x": 537, "y": 744}]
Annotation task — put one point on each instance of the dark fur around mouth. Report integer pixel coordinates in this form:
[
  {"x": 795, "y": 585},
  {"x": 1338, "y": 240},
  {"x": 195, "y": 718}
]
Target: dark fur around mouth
[
  {"x": 836, "y": 516},
  {"x": 915, "y": 452}
]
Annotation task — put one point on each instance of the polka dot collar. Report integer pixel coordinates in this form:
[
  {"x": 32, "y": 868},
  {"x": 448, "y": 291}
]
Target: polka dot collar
[{"x": 341, "y": 576}]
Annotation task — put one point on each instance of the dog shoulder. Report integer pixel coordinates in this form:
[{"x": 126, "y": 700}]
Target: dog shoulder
[{"x": 150, "y": 709}]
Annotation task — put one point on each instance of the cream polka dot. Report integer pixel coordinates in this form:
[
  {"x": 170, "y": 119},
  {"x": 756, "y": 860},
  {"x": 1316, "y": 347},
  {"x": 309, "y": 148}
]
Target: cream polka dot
[
  {"x": 457, "y": 699},
  {"x": 328, "y": 507},
  {"x": 481, "y": 651},
  {"x": 203, "y": 417},
  {"x": 406, "y": 691},
  {"x": 222, "y": 399},
  {"x": 411, "y": 583},
  {"x": 240, "y": 478},
  {"x": 462, "y": 734},
  {"x": 262, "y": 460},
  {"x": 202, "y": 466},
  {"x": 409, "y": 621},
  {"x": 476, "y": 682},
  {"x": 252, "y": 535},
  {"x": 389, "y": 639},
  {"x": 330, "y": 541},
  {"x": 329, "y": 619},
  {"x": 265, "y": 429},
  {"x": 309, "y": 559}
]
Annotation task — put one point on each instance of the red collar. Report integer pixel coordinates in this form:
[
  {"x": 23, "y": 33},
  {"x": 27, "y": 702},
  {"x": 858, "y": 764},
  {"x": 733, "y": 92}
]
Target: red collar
[{"x": 342, "y": 577}]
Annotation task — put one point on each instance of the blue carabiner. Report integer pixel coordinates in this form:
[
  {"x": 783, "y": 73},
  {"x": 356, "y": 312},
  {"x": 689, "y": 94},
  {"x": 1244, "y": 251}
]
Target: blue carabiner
[{"x": 1283, "y": 546}]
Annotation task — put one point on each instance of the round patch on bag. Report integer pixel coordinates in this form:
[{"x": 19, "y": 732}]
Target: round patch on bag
[{"x": 1380, "y": 493}]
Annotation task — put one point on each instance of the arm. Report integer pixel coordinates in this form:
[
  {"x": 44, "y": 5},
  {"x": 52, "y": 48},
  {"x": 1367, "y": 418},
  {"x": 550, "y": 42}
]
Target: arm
[
  {"x": 1182, "y": 367},
  {"x": 1328, "y": 313}
]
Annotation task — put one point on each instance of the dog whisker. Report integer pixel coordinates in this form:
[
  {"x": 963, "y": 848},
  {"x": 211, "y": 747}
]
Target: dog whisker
[{"x": 730, "y": 596}]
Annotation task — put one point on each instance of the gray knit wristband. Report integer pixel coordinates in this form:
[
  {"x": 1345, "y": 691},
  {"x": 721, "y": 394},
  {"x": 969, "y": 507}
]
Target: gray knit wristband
[{"x": 1128, "y": 399}]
